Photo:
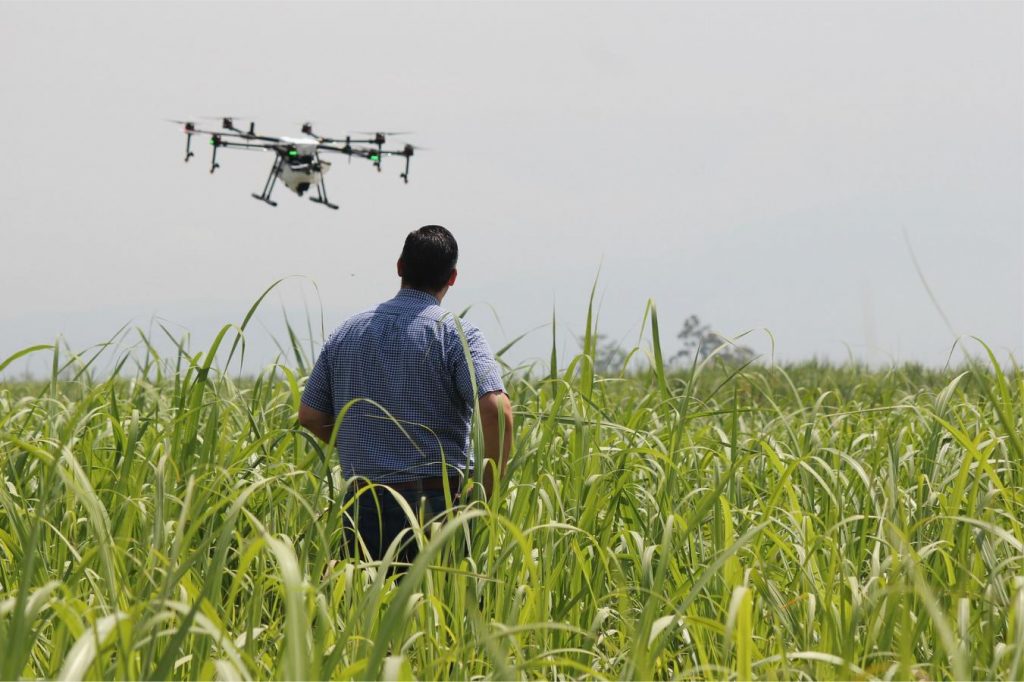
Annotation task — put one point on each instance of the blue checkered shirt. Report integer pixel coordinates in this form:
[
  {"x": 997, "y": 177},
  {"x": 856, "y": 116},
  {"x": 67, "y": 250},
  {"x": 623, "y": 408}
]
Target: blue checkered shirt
[{"x": 406, "y": 356}]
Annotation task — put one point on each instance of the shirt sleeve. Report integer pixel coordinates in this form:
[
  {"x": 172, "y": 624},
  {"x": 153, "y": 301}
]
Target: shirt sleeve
[
  {"x": 317, "y": 393},
  {"x": 486, "y": 370}
]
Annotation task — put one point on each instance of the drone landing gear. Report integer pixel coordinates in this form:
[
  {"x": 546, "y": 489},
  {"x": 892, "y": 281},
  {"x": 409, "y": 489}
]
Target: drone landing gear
[
  {"x": 265, "y": 199},
  {"x": 321, "y": 188},
  {"x": 321, "y": 196},
  {"x": 269, "y": 186}
]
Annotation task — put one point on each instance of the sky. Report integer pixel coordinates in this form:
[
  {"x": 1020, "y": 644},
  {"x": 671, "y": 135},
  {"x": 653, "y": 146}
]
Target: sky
[{"x": 775, "y": 168}]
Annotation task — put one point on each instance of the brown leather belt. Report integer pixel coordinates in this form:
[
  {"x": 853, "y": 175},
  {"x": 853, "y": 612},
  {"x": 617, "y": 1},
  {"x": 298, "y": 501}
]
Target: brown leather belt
[{"x": 431, "y": 484}]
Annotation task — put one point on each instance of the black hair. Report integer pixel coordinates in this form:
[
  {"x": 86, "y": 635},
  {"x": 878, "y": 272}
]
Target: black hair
[{"x": 428, "y": 258}]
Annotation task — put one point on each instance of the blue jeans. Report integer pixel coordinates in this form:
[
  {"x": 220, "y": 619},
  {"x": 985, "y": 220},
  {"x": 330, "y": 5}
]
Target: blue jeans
[{"x": 379, "y": 519}]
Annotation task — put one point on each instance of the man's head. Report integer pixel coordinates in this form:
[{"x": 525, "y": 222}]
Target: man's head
[{"x": 428, "y": 259}]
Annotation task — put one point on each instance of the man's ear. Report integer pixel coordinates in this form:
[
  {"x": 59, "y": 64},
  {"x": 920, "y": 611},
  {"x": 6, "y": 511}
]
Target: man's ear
[
  {"x": 400, "y": 266},
  {"x": 451, "y": 277}
]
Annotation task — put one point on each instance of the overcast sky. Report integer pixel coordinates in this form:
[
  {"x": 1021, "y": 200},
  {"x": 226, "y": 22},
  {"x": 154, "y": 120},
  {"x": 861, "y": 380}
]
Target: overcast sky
[{"x": 761, "y": 165}]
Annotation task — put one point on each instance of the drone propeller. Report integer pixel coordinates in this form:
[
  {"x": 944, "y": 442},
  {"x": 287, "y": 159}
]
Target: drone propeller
[
  {"x": 407, "y": 150},
  {"x": 228, "y": 122},
  {"x": 307, "y": 129},
  {"x": 222, "y": 117}
]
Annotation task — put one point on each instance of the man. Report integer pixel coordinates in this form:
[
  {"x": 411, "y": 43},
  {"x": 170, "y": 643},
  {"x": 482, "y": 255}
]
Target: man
[{"x": 401, "y": 375}]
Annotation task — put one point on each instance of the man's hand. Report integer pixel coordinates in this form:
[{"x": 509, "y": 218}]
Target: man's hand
[
  {"x": 496, "y": 419},
  {"x": 320, "y": 424}
]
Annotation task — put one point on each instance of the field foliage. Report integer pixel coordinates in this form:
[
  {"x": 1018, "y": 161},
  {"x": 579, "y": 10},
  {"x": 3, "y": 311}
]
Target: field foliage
[{"x": 714, "y": 521}]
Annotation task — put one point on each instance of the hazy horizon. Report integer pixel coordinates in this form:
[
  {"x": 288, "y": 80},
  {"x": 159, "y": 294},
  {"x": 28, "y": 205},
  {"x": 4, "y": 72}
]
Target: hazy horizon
[{"x": 761, "y": 165}]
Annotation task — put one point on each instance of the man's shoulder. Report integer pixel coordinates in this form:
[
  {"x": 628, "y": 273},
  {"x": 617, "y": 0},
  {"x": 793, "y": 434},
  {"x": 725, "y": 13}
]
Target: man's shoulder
[
  {"x": 453, "y": 323},
  {"x": 433, "y": 314},
  {"x": 361, "y": 317},
  {"x": 458, "y": 328},
  {"x": 353, "y": 321}
]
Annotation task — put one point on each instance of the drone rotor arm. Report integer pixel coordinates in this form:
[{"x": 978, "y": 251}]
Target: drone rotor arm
[
  {"x": 237, "y": 135},
  {"x": 375, "y": 155},
  {"x": 349, "y": 151},
  {"x": 344, "y": 140},
  {"x": 248, "y": 145},
  {"x": 371, "y": 155},
  {"x": 247, "y": 136}
]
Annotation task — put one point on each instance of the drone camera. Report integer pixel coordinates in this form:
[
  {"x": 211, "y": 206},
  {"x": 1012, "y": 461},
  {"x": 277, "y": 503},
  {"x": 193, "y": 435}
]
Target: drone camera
[
  {"x": 228, "y": 124},
  {"x": 307, "y": 128}
]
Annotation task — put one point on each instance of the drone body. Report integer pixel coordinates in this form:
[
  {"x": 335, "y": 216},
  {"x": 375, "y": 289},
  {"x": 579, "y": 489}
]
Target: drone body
[
  {"x": 297, "y": 160},
  {"x": 299, "y": 177},
  {"x": 299, "y": 170}
]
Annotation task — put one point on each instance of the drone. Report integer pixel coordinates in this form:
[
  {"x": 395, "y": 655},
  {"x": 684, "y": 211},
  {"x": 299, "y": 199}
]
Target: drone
[{"x": 297, "y": 160}]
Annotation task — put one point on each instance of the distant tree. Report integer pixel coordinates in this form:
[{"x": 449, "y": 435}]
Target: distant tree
[
  {"x": 699, "y": 341},
  {"x": 610, "y": 356}
]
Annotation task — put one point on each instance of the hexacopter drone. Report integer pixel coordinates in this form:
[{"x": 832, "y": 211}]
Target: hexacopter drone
[{"x": 297, "y": 160}]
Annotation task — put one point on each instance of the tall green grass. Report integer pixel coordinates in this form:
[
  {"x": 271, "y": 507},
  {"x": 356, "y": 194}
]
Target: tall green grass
[{"x": 715, "y": 522}]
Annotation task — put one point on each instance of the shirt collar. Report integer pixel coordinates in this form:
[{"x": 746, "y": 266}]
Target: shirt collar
[{"x": 410, "y": 295}]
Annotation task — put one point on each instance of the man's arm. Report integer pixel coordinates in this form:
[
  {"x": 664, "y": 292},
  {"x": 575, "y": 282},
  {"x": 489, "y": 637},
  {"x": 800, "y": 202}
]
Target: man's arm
[
  {"x": 496, "y": 419},
  {"x": 315, "y": 406},
  {"x": 320, "y": 424}
]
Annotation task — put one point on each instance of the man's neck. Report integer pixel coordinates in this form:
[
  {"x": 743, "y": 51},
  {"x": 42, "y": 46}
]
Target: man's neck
[{"x": 439, "y": 295}]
